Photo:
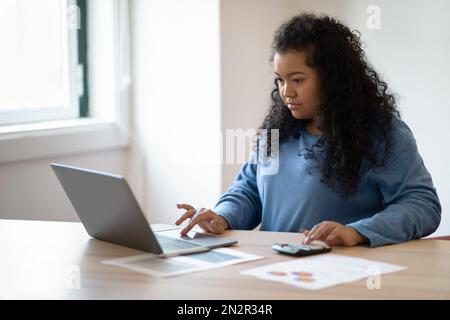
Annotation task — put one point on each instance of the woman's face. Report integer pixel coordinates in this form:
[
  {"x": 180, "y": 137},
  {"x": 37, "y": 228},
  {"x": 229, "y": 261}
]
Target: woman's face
[{"x": 298, "y": 84}]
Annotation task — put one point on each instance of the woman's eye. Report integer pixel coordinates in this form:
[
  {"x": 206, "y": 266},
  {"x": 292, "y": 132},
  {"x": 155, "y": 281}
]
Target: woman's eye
[
  {"x": 279, "y": 80},
  {"x": 298, "y": 80}
]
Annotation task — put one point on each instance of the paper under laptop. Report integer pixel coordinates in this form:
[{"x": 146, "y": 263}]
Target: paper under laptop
[{"x": 168, "y": 267}]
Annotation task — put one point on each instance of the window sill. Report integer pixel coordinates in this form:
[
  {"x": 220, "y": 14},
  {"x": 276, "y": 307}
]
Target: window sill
[{"x": 59, "y": 138}]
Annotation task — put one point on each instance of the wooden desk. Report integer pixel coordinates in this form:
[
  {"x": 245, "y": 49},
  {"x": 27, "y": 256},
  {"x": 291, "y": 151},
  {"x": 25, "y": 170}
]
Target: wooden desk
[{"x": 40, "y": 259}]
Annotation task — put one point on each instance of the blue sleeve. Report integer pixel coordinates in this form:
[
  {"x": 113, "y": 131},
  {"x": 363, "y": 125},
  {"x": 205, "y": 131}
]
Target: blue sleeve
[
  {"x": 411, "y": 205},
  {"x": 241, "y": 204}
]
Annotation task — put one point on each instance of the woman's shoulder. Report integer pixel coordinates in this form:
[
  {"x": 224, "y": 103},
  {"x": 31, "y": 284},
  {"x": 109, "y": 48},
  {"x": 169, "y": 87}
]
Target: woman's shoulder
[
  {"x": 402, "y": 134},
  {"x": 401, "y": 150},
  {"x": 400, "y": 140},
  {"x": 399, "y": 124}
]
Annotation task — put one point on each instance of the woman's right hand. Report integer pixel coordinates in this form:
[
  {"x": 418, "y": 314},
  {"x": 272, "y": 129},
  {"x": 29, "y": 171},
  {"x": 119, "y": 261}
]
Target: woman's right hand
[{"x": 207, "y": 219}]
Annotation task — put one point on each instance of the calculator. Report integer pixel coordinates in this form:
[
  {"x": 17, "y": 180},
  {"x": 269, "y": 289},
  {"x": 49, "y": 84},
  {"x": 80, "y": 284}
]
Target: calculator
[{"x": 300, "y": 250}]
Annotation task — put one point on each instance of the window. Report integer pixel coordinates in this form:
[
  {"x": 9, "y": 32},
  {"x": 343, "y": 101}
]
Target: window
[
  {"x": 71, "y": 128},
  {"x": 43, "y": 60}
]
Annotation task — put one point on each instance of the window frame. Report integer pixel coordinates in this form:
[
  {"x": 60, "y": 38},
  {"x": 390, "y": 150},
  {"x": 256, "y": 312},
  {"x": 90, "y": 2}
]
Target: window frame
[
  {"x": 74, "y": 78},
  {"x": 83, "y": 98}
]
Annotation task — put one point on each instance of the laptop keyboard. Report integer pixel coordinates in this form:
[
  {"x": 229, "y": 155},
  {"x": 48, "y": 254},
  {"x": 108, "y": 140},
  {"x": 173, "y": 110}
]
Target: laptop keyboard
[{"x": 173, "y": 244}]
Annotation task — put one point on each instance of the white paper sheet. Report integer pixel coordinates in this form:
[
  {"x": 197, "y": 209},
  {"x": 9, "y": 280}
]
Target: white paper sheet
[
  {"x": 167, "y": 267},
  {"x": 322, "y": 271}
]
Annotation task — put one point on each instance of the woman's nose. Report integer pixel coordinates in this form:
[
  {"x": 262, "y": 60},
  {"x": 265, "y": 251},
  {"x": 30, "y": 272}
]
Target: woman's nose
[{"x": 288, "y": 91}]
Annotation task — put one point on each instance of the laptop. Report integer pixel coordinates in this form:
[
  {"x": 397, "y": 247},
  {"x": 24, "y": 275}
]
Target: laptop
[{"x": 109, "y": 211}]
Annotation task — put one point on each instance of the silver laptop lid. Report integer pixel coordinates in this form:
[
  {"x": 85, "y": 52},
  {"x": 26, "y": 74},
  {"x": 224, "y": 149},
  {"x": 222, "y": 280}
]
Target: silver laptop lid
[{"x": 107, "y": 208}]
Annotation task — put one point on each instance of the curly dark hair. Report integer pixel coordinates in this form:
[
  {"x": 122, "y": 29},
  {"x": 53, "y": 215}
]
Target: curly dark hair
[{"x": 356, "y": 108}]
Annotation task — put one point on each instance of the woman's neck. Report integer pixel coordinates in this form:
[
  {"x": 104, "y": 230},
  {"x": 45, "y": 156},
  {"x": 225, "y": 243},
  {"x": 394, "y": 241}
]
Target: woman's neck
[{"x": 312, "y": 128}]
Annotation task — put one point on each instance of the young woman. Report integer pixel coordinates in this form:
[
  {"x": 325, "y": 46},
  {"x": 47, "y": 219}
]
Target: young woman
[{"x": 349, "y": 171}]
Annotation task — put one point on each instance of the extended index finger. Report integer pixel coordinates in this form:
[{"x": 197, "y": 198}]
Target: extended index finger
[
  {"x": 322, "y": 229},
  {"x": 187, "y": 214},
  {"x": 311, "y": 232},
  {"x": 195, "y": 219},
  {"x": 184, "y": 206}
]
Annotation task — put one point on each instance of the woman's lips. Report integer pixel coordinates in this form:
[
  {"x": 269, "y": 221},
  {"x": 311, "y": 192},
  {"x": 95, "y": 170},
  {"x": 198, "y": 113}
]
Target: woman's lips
[{"x": 293, "y": 106}]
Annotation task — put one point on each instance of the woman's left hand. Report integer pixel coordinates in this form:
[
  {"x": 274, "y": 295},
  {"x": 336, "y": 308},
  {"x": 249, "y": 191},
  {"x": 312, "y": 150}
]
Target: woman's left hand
[{"x": 334, "y": 234}]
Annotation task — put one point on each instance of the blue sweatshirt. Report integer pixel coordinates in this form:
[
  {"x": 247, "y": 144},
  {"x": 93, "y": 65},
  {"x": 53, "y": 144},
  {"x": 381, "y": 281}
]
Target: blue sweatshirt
[{"x": 392, "y": 204}]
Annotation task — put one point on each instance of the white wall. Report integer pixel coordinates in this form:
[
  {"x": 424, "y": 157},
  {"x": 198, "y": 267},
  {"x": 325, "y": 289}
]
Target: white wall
[
  {"x": 247, "y": 29},
  {"x": 411, "y": 51},
  {"x": 30, "y": 190},
  {"x": 176, "y": 101}
]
